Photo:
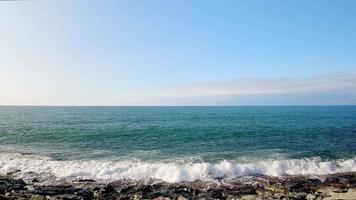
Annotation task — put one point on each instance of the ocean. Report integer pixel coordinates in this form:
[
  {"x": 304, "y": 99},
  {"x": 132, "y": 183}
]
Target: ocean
[{"x": 176, "y": 144}]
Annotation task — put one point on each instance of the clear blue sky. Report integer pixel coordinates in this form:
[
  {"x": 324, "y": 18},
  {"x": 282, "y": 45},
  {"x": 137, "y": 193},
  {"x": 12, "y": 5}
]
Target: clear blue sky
[{"x": 177, "y": 52}]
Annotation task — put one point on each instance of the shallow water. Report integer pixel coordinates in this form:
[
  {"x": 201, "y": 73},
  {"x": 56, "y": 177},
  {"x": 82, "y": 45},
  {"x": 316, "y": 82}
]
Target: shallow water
[{"x": 178, "y": 143}]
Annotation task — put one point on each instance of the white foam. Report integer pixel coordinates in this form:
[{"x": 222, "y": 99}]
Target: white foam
[{"x": 168, "y": 171}]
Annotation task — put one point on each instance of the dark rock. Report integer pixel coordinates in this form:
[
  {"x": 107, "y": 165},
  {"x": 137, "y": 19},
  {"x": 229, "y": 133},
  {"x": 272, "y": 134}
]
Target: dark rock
[
  {"x": 298, "y": 187},
  {"x": 298, "y": 196},
  {"x": 252, "y": 187},
  {"x": 66, "y": 197},
  {"x": 339, "y": 180},
  {"x": 8, "y": 184},
  {"x": 215, "y": 193},
  {"x": 35, "y": 180},
  {"x": 313, "y": 181},
  {"x": 239, "y": 191},
  {"x": 84, "y": 193},
  {"x": 53, "y": 190}
]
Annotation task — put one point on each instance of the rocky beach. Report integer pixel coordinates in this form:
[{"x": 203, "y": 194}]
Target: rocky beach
[{"x": 335, "y": 186}]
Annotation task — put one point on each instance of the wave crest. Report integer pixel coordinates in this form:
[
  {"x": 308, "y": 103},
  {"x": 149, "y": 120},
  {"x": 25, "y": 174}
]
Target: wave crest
[{"x": 168, "y": 171}]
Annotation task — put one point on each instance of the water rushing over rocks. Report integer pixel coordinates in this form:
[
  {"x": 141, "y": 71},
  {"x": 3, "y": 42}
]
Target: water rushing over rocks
[
  {"x": 335, "y": 186},
  {"x": 46, "y": 168}
]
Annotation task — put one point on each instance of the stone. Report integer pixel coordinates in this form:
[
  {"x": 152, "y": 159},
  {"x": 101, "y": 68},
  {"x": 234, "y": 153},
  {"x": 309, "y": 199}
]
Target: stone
[
  {"x": 84, "y": 193},
  {"x": 64, "y": 197},
  {"x": 52, "y": 190},
  {"x": 85, "y": 180},
  {"x": 137, "y": 196},
  {"x": 8, "y": 184},
  {"x": 249, "y": 197},
  {"x": 181, "y": 198},
  {"x": 337, "y": 186},
  {"x": 162, "y": 198},
  {"x": 310, "y": 197}
]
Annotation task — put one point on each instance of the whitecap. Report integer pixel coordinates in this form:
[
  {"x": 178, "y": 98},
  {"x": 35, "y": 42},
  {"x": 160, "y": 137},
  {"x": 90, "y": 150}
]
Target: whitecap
[{"x": 107, "y": 170}]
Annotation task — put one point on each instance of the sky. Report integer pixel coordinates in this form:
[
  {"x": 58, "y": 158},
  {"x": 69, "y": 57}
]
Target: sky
[{"x": 202, "y": 52}]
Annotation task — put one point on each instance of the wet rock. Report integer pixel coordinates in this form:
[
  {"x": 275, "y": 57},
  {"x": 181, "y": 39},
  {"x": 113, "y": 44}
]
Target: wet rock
[
  {"x": 241, "y": 190},
  {"x": 338, "y": 186},
  {"x": 83, "y": 193},
  {"x": 339, "y": 180},
  {"x": 53, "y": 190},
  {"x": 85, "y": 181},
  {"x": 215, "y": 193},
  {"x": 8, "y": 184},
  {"x": 313, "y": 181}
]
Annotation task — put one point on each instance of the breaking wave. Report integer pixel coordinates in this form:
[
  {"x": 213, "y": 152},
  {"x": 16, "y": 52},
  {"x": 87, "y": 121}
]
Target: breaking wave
[{"x": 107, "y": 171}]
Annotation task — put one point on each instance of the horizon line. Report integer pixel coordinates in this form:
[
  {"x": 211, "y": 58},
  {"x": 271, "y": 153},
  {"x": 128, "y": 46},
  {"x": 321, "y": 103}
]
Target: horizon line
[{"x": 262, "y": 105}]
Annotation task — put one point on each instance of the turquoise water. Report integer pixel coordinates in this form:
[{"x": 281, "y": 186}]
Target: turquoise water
[{"x": 212, "y": 135}]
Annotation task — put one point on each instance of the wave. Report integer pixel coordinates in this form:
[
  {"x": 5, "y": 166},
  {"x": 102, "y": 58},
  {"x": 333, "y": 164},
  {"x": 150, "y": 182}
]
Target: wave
[{"x": 167, "y": 171}]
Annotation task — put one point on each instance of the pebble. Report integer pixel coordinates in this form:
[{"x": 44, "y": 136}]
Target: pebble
[{"x": 339, "y": 186}]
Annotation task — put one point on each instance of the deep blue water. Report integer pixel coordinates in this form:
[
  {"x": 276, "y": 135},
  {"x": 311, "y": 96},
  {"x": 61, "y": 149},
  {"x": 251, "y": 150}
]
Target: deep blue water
[{"x": 207, "y": 134}]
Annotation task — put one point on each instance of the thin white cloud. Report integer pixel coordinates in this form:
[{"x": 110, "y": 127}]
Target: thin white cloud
[
  {"x": 256, "y": 86},
  {"x": 330, "y": 89}
]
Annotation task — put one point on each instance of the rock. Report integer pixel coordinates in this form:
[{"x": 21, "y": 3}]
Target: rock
[
  {"x": 64, "y": 197},
  {"x": 339, "y": 180},
  {"x": 249, "y": 197},
  {"x": 137, "y": 196},
  {"x": 279, "y": 196},
  {"x": 313, "y": 181},
  {"x": 85, "y": 181},
  {"x": 276, "y": 188},
  {"x": 264, "y": 193},
  {"x": 215, "y": 193},
  {"x": 298, "y": 196},
  {"x": 311, "y": 197},
  {"x": 53, "y": 190},
  {"x": 162, "y": 198},
  {"x": 8, "y": 184},
  {"x": 329, "y": 194},
  {"x": 338, "y": 186},
  {"x": 37, "y": 197},
  {"x": 181, "y": 198},
  {"x": 84, "y": 193}
]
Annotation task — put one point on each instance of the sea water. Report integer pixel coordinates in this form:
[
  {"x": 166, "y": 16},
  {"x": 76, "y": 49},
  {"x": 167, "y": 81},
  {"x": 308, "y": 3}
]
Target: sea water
[{"x": 177, "y": 143}]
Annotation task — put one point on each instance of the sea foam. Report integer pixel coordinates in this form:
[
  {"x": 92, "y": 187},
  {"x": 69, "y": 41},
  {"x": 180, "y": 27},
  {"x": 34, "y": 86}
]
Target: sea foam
[{"x": 167, "y": 171}]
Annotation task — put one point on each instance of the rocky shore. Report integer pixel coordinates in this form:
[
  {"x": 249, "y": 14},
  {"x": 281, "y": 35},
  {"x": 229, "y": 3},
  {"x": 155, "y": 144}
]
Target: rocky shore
[{"x": 336, "y": 186}]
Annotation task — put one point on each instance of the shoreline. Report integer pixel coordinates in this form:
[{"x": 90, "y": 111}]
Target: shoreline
[
  {"x": 332, "y": 186},
  {"x": 44, "y": 168}
]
